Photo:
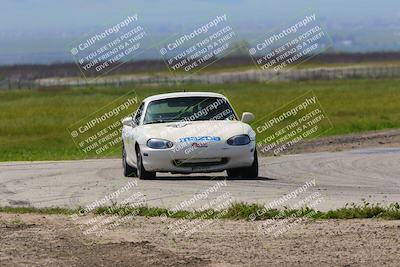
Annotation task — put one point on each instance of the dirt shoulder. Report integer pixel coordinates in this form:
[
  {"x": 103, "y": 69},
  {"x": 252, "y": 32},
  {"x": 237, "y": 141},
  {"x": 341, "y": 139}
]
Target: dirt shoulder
[
  {"x": 385, "y": 138},
  {"x": 41, "y": 240}
]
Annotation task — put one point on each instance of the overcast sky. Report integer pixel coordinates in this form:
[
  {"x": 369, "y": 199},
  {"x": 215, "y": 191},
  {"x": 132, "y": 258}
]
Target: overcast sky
[
  {"x": 44, "y": 15},
  {"x": 34, "y": 31}
]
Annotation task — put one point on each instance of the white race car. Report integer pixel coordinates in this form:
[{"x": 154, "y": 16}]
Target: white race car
[{"x": 188, "y": 132}]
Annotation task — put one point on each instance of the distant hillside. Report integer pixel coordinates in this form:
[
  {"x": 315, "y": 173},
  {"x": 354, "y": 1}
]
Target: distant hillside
[{"x": 36, "y": 71}]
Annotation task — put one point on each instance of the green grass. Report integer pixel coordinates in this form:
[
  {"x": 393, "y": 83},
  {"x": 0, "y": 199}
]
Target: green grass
[
  {"x": 49, "y": 211},
  {"x": 33, "y": 124},
  {"x": 235, "y": 212}
]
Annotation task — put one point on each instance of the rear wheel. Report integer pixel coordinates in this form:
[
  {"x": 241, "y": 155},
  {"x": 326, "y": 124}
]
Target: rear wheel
[
  {"x": 247, "y": 172},
  {"x": 141, "y": 172},
  {"x": 129, "y": 171}
]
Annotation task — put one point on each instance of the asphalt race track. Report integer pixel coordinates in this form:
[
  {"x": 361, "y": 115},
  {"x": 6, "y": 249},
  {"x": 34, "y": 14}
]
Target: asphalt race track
[{"x": 372, "y": 175}]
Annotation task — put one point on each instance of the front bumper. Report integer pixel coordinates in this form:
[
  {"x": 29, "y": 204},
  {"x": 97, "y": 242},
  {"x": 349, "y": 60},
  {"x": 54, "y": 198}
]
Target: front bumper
[{"x": 189, "y": 159}]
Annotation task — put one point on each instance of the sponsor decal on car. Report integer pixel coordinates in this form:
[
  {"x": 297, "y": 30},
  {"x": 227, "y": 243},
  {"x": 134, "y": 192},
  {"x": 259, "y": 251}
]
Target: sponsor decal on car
[
  {"x": 200, "y": 139},
  {"x": 199, "y": 145}
]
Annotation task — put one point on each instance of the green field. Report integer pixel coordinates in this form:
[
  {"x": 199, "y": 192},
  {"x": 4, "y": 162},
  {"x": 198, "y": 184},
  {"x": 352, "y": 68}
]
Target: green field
[
  {"x": 33, "y": 124},
  {"x": 236, "y": 211}
]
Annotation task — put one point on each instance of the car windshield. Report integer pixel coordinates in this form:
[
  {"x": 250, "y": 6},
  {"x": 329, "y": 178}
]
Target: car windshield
[{"x": 188, "y": 109}]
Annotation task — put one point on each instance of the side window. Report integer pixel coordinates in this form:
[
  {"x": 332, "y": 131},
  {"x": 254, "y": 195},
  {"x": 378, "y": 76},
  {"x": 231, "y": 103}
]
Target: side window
[{"x": 138, "y": 114}]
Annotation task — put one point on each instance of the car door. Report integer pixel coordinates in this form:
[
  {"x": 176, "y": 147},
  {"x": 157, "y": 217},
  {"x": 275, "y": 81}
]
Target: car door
[{"x": 131, "y": 136}]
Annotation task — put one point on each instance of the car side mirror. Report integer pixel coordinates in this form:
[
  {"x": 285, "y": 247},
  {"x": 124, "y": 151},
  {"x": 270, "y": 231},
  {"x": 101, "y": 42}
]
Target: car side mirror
[
  {"x": 247, "y": 117},
  {"x": 128, "y": 121}
]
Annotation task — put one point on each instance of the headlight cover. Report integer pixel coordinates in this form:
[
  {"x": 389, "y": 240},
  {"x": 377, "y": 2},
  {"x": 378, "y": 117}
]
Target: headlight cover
[
  {"x": 239, "y": 140},
  {"x": 159, "y": 143}
]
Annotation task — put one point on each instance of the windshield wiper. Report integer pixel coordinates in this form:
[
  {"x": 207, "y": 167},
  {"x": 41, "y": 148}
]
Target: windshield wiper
[{"x": 160, "y": 121}]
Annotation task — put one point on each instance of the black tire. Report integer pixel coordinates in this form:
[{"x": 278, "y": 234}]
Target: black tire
[
  {"x": 252, "y": 171},
  {"x": 129, "y": 171},
  {"x": 248, "y": 172},
  {"x": 234, "y": 173},
  {"x": 141, "y": 172}
]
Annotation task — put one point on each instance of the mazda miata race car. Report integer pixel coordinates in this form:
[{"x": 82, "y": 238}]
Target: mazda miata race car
[{"x": 188, "y": 132}]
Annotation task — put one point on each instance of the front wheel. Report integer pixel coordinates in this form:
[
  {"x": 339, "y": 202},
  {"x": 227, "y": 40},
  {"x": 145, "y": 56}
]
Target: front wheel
[
  {"x": 247, "y": 172},
  {"x": 141, "y": 172}
]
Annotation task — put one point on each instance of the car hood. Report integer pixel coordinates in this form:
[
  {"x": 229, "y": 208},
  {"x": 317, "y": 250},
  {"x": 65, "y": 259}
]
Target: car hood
[{"x": 180, "y": 130}]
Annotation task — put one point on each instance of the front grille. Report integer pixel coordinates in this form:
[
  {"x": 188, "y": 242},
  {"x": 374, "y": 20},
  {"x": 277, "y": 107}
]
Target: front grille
[{"x": 199, "y": 163}]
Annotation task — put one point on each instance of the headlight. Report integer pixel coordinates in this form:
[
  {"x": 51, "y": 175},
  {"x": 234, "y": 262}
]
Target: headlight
[
  {"x": 239, "y": 140},
  {"x": 159, "y": 143}
]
